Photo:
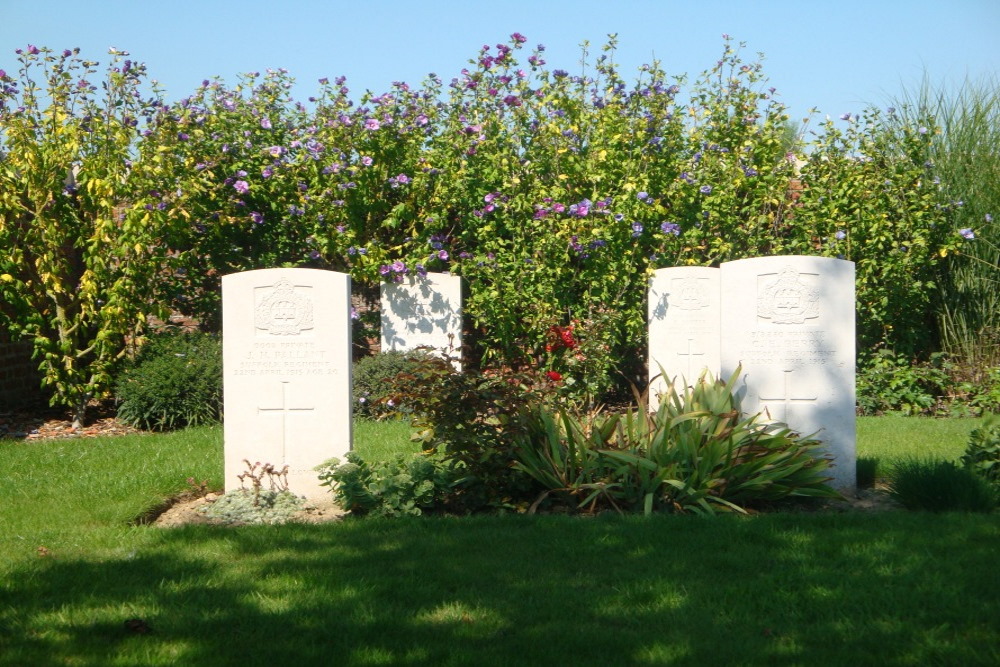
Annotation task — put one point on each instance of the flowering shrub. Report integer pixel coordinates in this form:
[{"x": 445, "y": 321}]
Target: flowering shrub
[
  {"x": 870, "y": 195},
  {"x": 554, "y": 195},
  {"x": 78, "y": 259}
]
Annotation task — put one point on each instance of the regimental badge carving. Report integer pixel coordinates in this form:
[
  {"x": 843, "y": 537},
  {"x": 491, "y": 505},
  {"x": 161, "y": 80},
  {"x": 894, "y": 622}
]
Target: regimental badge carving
[
  {"x": 788, "y": 300},
  {"x": 282, "y": 312},
  {"x": 688, "y": 294}
]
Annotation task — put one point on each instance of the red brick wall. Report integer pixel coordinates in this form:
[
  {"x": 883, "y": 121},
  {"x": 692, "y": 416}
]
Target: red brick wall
[{"x": 19, "y": 377}]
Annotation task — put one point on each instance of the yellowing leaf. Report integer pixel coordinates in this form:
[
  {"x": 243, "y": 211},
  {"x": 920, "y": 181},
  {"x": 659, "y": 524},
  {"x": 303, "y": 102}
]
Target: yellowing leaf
[{"x": 7, "y": 278}]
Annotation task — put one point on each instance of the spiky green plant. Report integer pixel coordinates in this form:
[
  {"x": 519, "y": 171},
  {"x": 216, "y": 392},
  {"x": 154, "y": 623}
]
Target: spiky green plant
[{"x": 698, "y": 452}]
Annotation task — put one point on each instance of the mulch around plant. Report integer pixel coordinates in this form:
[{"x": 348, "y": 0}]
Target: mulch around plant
[{"x": 50, "y": 424}]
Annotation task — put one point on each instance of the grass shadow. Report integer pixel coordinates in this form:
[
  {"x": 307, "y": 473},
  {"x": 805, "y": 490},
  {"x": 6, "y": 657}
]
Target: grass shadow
[{"x": 780, "y": 589}]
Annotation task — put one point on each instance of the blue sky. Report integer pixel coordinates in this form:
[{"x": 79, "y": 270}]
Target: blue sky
[{"x": 838, "y": 56}]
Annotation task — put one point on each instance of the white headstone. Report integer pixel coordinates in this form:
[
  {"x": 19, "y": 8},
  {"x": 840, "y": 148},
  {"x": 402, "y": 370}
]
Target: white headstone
[
  {"x": 790, "y": 322},
  {"x": 683, "y": 326},
  {"x": 287, "y": 372},
  {"x": 423, "y": 311}
]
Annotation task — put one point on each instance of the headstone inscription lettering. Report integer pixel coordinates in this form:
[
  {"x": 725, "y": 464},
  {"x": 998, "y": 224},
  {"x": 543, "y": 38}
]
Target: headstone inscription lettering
[
  {"x": 423, "y": 312},
  {"x": 287, "y": 372}
]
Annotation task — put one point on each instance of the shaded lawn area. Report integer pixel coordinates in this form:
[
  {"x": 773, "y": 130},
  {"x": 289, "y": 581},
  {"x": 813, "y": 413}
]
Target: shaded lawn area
[
  {"x": 896, "y": 588},
  {"x": 893, "y": 588}
]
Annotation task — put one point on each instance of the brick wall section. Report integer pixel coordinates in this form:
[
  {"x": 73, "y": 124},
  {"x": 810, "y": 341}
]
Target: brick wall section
[{"x": 19, "y": 377}]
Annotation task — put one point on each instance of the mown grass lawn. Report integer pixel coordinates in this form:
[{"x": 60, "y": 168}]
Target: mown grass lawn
[{"x": 783, "y": 588}]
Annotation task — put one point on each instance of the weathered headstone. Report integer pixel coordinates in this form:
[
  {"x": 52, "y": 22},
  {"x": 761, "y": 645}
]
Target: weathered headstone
[
  {"x": 790, "y": 322},
  {"x": 683, "y": 326},
  {"x": 287, "y": 372},
  {"x": 423, "y": 311}
]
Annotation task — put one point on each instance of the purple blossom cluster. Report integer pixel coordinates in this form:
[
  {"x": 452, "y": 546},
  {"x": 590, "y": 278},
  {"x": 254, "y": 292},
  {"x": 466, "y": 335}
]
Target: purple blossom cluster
[
  {"x": 581, "y": 209},
  {"x": 395, "y": 271}
]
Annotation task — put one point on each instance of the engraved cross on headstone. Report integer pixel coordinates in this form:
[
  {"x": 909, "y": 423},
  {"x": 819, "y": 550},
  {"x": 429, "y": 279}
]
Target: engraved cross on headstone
[
  {"x": 283, "y": 411},
  {"x": 786, "y": 400},
  {"x": 690, "y": 354}
]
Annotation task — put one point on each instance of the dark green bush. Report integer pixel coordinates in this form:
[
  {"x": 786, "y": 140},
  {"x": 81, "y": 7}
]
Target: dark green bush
[
  {"x": 867, "y": 471},
  {"x": 471, "y": 419},
  {"x": 893, "y": 383},
  {"x": 380, "y": 378},
  {"x": 940, "y": 486},
  {"x": 406, "y": 485},
  {"x": 978, "y": 389},
  {"x": 174, "y": 381},
  {"x": 982, "y": 454}
]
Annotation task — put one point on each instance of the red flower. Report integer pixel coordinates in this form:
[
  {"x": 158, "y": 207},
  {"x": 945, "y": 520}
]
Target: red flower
[{"x": 554, "y": 376}]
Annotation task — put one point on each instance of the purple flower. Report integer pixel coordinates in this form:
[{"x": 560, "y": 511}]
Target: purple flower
[
  {"x": 560, "y": 73},
  {"x": 366, "y": 161},
  {"x": 840, "y": 235},
  {"x": 3, "y": 74},
  {"x": 371, "y": 124},
  {"x": 402, "y": 179},
  {"x": 276, "y": 151},
  {"x": 265, "y": 123},
  {"x": 241, "y": 186},
  {"x": 636, "y": 229},
  {"x": 967, "y": 233},
  {"x": 705, "y": 189},
  {"x": 421, "y": 270},
  {"x": 267, "y": 172},
  {"x": 181, "y": 136},
  {"x": 384, "y": 269},
  {"x": 642, "y": 195},
  {"x": 443, "y": 255},
  {"x": 398, "y": 266},
  {"x": 922, "y": 130},
  {"x": 988, "y": 218},
  {"x": 519, "y": 38},
  {"x": 32, "y": 50},
  {"x": 257, "y": 217},
  {"x": 670, "y": 228},
  {"x": 354, "y": 316}
]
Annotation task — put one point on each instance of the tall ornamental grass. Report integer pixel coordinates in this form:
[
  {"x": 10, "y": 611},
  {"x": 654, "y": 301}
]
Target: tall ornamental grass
[{"x": 966, "y": 158}]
